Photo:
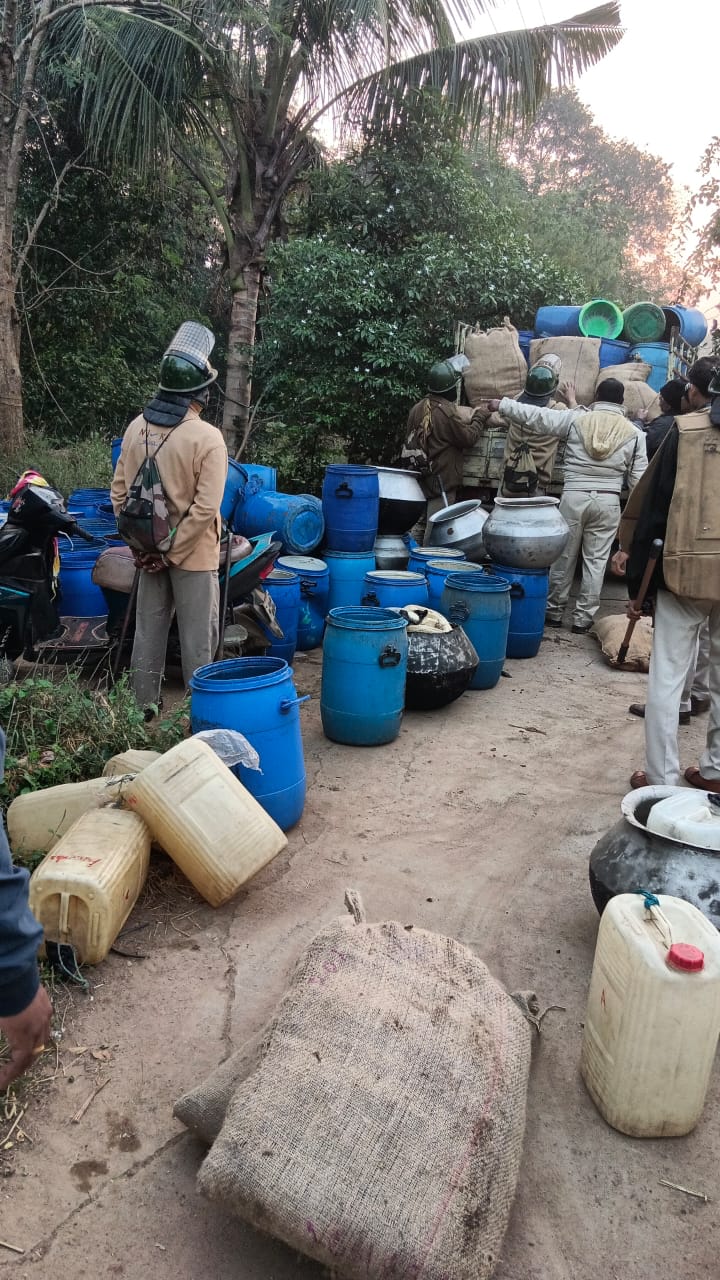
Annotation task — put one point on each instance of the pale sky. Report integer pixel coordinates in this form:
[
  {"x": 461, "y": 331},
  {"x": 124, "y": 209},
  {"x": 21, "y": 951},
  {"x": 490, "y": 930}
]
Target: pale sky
[{"x": 660, "y": 87}]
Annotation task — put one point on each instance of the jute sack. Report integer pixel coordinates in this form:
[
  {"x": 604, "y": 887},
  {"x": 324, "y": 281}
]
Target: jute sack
[
  {"x": 638, "y": 395},
  {"x": 497, "y": 365},
  {"x": 580, "y": 362},
  {"x": 611, "y": 632},
  {"x": 381, "y": 1133}
]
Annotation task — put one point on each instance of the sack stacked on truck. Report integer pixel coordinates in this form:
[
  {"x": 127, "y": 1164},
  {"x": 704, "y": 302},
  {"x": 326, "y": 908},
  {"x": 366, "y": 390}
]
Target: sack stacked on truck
[
  {"x": 580, "y": 362},
  {"x": 377, "y": 1125},
  {"x": 639, "y": 397},
  {"x": 497, "y": 365}
]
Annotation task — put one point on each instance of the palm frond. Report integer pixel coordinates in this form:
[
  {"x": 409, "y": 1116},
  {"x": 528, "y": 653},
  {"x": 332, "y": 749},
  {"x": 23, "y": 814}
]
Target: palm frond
[{"x": 497, "y": 79}]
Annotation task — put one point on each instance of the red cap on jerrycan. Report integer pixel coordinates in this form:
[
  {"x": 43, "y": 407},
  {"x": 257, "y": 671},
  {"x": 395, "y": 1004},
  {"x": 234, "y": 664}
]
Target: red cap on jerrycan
[{"x": 682, "y": 955}]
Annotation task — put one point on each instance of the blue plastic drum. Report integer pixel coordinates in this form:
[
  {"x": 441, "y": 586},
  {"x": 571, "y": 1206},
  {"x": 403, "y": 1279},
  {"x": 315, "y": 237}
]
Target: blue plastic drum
[
  {"x": 480, "y": 603},
  {"x": 363, "y": 676},
  {"x": 394, "y": 588},
  {"x": 351, "y": 503},
  {"x": 283, "y": 587},
  {"x": 347, "y": 571},
  {"x": 528, "y": 600},
  {"x": 420, "y": 557},
  {"x": 314, "y": 577},
  {"x": 257, "y": 697}
]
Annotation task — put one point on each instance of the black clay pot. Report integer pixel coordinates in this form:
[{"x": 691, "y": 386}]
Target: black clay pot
[
  {"x": 440, "y": 668},
  {"x": 402, "y": 501},
  {"x": 629, "y": 858}
]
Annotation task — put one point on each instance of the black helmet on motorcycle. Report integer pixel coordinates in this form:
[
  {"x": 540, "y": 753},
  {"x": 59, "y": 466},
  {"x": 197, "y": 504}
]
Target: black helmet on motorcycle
[{"x": 186, "y": 364}]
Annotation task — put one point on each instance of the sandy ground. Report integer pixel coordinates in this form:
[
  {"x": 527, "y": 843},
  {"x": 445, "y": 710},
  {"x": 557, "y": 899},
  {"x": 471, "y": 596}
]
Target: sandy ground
[{"x": 477, "y": 822}]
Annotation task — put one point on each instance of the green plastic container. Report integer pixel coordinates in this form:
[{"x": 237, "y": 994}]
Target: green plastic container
[
  {"x": 643, "y": 322},
  {"x": 600, "y": 319}
]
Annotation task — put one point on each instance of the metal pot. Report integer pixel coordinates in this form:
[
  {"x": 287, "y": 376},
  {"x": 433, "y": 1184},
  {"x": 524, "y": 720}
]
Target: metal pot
[
  {"x": 402, "y": 501},
  {"x": 630, "y": 858},
  {"x": 460, "y": 526},
  {"x": 391, "y": 552},
  {"x": 440, "y": 668},
  {"x": 526, "y": 533}
]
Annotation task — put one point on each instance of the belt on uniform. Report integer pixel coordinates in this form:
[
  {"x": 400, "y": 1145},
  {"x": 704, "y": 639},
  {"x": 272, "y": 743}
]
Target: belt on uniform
[{"x": 615, "y": 493}]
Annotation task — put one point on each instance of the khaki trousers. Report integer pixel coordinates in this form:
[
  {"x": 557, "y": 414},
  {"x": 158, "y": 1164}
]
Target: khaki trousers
[
  {"x": 696, "y": 681},
  {"x": 675, "y": 642},
  {"x": 194, "y": 596},
  {"x": 593, "y": 520}
]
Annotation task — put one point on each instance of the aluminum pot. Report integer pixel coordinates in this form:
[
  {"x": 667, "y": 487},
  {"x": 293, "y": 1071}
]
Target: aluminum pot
[
  {"x": 629, "y": 858},
  {"x": 391, "y": 551},
  {"x": 402, "y": 501},
  {"x": 526, "y": 533},
  {"x": 460, "y": 526}
]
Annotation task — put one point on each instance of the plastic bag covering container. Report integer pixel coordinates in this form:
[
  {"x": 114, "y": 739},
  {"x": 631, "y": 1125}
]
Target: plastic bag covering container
[
  {"x": 351, "y": 506},
  {"x": 205, "y": 819},
  {"x": 257, "y": 697},
  {"x": 394, "y": 588},
  {"x": 36, "y": 821},
  {"x": 314, "y": 578},
  {"x": 347, "y": 571},
  {"x": 129, "y": 762},
  {"x": 480, "y": 604},
  {"x": 363, "y": 676},
  {"x": 653, "y": 1016},
  {"x": 84, "y": 890}
]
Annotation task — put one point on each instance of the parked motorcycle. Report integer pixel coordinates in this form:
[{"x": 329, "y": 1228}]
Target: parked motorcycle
[{"x": 31, "y": 618}]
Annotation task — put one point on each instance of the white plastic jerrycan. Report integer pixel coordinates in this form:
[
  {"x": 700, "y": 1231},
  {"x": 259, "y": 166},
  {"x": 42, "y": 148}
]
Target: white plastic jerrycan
[
  {"x": 653, "y": 1015},
  {"x": 84, "y": 890}
]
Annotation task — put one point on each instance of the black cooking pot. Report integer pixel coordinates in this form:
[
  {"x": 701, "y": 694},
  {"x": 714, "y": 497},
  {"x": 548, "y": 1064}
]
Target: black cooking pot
[
  {"x": 440, "y": 668},
  {"x": 629, "y": 858},
  {"x": 402, "y": 501}
]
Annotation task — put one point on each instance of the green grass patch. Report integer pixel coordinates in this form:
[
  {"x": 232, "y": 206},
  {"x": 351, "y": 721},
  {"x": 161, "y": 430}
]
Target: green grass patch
[
  {"x": 64, "y": 730},
  {"x": 77, "y": 464}
]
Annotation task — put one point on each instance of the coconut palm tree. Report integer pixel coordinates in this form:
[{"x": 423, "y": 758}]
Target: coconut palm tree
[{"x": 247, "y": 82}]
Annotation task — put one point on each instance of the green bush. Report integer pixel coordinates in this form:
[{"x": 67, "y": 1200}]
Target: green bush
[{"x": 78, "y": 464}]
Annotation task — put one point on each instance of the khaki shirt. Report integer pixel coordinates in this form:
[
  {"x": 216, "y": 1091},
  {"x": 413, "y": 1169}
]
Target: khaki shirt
[{"x": 193, "y": 468}]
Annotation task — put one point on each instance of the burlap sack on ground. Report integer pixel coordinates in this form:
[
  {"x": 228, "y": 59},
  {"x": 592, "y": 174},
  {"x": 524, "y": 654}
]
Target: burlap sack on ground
[
  {"x": 610, "y": 632},
  {"x": 382, "y": 1132},
  {"x": 580, "y": 362},
  {"x": 497, "y": 365},
  {"x": 203, "y": 1109}
]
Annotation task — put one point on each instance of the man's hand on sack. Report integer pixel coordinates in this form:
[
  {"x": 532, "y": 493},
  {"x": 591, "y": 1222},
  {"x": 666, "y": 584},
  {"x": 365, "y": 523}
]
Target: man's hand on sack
[
  {"x": 493, "y": 405},
  {"x": 27, "y": 1033},
  {"x": 568, "y": 392}
]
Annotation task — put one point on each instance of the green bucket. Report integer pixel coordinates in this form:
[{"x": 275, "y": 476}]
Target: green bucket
[
  {"x": 643, "y": 322},
  {"x": 600, "y": 319}
]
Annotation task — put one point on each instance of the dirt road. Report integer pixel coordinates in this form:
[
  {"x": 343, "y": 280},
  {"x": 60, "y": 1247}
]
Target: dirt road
[{"x": 477, "y": 822}]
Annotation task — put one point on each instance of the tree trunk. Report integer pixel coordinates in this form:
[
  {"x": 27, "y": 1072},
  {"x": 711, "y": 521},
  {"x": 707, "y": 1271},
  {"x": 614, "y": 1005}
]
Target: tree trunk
[
  {"x": 12, "y": 433},
  {"x": 245, "y": 288}
]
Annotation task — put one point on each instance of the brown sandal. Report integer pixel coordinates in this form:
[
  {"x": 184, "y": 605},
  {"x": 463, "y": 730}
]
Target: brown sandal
[
  {"x": 639, "y": 779},
  {"x": 695, "y": 778}
]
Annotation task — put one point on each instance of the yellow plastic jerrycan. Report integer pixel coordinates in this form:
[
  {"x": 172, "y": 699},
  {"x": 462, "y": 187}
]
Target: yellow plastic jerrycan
[
  {"x": 84, "y": 890},
  {"x": 207, "y": 822},
  {"x": 36, "y": 821},
  {"x": 130, "y": 761},
  {"x": 653, "y": 1015}
]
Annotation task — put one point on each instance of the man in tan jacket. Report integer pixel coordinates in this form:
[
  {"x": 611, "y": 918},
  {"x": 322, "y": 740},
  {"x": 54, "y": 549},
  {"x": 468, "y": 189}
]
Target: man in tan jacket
[{"x": 192, "y": 462}]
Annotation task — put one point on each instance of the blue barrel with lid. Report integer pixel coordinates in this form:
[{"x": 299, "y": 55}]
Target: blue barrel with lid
[
  {"x": 351, "y": 504},
  {"x": 421, "y": 556},
  {"x": 347, "y": 571},
  {"x": 480, "y": 604},
  {"x": 437, "y": 573},
  {"x": 79, "y": 596},
  {"x": 257, "y": 697},
  {"x": 394, "y": 588},
  {"x": 283, "y": 587},
  {"x": 657, "y": 355},
  {"x": 296, "y": 519},
  {"x": 557, "y": 322},
  {"x": 528, "y": 600},
  {"x": 314, "y": 577},
  {"x": 363, "y": 676}
]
